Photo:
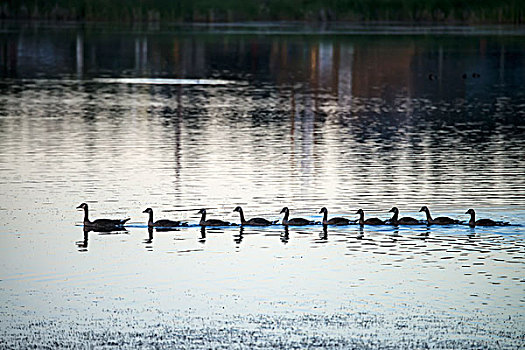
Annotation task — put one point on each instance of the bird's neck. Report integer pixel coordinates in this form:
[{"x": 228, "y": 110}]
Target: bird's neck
[
  {"x": 150, "y": 234},
  {"x": 429, "y": 217},
  {"x": 285, "y": 219},
  {"x": 325, "y": 217},
  {"x": 472, "y": 219},
  {"x": 242, "y": 216},
  {"x": 150, "y": 221},
  {"x": 361, "y": 218},
  {"x": 395, "y": 216},
  {"x": 203, "y": 217},
  {"x": 86, "y": 219}
]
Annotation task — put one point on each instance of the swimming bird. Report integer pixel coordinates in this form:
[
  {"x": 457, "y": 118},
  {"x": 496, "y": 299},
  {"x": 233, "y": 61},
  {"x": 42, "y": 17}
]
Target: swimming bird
[
  {"x": 294, "y": 221},
  {"x": 442, "y": 220},
  {"x": 371, "y": 221},
  {"x": 100, "y": 223},
  {"x": 403, "y": 221},
  {"x": 481, "y": 222},
  {"x": 211, "y": 222},
  {"x": 161, "y": 223},
  {"x": 333, "y": 221},
  {"x": 252, "y": 221}
]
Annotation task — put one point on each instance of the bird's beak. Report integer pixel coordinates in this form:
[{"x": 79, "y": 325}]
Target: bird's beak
[
  {"x": 145, "y": 211},
  {"x": 468, "y": 212},
  {"x": 79, "y": 207},
  {"x": 321, "y": 211}
]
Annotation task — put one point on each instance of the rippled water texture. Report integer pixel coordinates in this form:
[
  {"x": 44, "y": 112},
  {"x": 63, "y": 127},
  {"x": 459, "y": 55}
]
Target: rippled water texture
[{"x": 183, "y": 118}]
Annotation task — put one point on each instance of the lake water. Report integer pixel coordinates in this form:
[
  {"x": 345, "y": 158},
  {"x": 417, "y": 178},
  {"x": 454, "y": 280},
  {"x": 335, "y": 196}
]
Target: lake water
[{"x": 179, "y": 118}]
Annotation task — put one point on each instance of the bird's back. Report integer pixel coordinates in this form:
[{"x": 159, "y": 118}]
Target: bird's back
[
  {"x": 486, "y": 222},
  {"x": 258, "y": 222},
  {"x": 443, "y": 220},
  {"x": 215, "y": 222},
  {"x": 338, "y": 221},
  {"x": 108, "y": 222},
  {"x": 166, "y": 223},
  {"x": 299, "y": 221},
  {"x": 408, "y": 221},
  {"x": 374, "y": 221}
]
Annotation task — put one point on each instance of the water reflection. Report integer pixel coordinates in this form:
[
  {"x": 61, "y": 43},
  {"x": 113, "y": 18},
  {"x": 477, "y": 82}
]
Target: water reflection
[
  {"x": 342, "y": 66},
  {"x": 148, "y": 242},
  {"x": 237, "y": 238},
  {"x": 285, "y": 235},
  {"x": 361, "y": 232},
  {"x": 202, "y": 238},
  {"x": 324, "y": 234},
  {"x": 83, "y": 244},
  {"x": 342, "y": 121}
]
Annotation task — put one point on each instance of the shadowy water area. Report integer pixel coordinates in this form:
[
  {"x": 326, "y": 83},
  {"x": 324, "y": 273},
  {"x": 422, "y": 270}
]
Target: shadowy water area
[{"x": 179, "y": 118}]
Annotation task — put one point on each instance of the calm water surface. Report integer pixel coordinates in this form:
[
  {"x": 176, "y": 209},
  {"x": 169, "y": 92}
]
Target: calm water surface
[{"x": 183, "y": 118}]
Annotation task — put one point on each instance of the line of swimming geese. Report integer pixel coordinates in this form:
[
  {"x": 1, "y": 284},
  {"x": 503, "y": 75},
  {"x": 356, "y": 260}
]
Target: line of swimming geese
[{"x": 257, "y": 221}]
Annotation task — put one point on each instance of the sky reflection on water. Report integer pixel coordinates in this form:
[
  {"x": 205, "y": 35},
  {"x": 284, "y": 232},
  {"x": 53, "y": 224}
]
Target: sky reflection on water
[{"x": 342, "y": 121}]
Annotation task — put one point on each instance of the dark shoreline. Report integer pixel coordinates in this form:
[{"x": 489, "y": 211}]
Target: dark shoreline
[{"x": 214, "y": 11}]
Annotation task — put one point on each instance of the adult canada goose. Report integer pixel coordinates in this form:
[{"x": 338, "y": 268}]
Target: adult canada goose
[
  {"x": 211, "y": 222},
  {"x": 294, "y": 221},
  {"x": 100, "y": 223},
  {"x": 252, "y": 221},
  {"x": 442, "y": 220},
  {"x": 371, "y": 221},
  {"x": 161, "y": 223},
  {"x": 403, "y": 221},
  {"x": 333, "y": 221},
  {"x": 481, "y": 222}
]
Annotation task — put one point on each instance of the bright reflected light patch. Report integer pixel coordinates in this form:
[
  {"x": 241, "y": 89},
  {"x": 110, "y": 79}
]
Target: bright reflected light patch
[{"x": 160, "y": 81}]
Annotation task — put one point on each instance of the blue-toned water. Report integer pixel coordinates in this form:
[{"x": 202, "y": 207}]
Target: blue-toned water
[{"x": 184, "y": 118}]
